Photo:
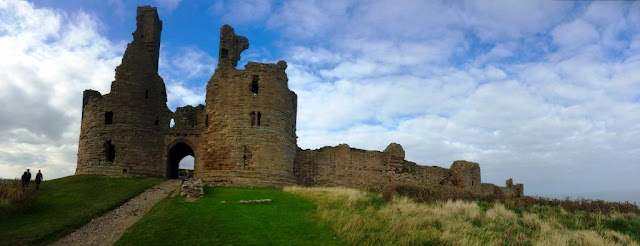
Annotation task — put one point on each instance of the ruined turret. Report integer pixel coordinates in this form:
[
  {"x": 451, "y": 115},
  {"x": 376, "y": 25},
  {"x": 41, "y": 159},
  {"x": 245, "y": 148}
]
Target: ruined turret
[
  {"x": 251, "y": 118},
  {"x": 122, "y": 132}
]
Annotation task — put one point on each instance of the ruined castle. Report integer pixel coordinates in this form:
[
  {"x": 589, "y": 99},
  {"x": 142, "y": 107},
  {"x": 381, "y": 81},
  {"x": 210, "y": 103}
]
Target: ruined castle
[{"x": 245, "y": 135}]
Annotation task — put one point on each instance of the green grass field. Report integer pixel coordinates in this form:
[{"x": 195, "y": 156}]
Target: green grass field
[
  {"x": 287, "y": 220},
  {"x": 65, "y": 204}
]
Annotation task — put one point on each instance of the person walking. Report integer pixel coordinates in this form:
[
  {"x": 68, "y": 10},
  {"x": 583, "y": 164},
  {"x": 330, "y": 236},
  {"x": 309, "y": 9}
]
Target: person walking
[
  {"x": 24, "y": 179},
  {"x": 38, "y": 179},
  {"x": 28, "y": 178}
]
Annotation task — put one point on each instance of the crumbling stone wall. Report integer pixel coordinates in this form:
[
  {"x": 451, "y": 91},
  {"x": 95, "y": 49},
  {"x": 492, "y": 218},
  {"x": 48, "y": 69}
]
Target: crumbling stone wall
[
  {"x": 510, "y": 190},
  {"x": 345, "y": 166},
  {"x": 340, "y": 166},
  {"x": 466, "y": 175}
]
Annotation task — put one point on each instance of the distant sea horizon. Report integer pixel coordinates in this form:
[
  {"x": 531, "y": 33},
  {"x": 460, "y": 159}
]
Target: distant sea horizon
[{"x": 632, "y": 196}]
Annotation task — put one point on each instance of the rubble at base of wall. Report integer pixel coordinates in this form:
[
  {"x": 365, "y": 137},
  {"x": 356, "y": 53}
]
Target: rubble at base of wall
[{"x": 192, "y": 188}]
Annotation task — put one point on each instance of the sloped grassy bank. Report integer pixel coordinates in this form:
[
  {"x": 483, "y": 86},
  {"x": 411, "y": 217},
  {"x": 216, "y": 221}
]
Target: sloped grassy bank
[
  {"x": 362, "y": 218},
  {"x": 219, "y": 218},
  {"x": 65, "y": 204}
]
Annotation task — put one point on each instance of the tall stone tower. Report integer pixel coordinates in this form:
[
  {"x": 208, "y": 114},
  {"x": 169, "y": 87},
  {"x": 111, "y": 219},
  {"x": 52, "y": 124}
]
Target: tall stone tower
[
  {"x": 251, "y": 120},
  {"x": 122, "y": 132}
]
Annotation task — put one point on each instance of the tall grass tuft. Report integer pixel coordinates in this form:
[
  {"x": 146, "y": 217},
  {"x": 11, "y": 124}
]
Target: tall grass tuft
[
  {"x": 14, "y": 199},
  {"x": 360, "y": 220}
]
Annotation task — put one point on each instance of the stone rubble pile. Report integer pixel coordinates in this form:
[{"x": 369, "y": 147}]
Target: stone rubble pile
[{"x": 192, "y": 188}]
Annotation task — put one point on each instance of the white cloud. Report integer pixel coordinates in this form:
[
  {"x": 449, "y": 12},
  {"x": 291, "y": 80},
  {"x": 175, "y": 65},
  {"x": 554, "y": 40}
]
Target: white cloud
[
  {"x": 185, "y": 63},
  {"x": 404, "y": 20},
  {"x": 178, "y": 95},
  {"x": 242, "y": 11},
  {"x": 316, "y": 56},
  {"x": 575, "y": 34},
  {"x": 512, "y": 19},
  {"x": 49, "y": 58},
  {"x": 168, "y": 4},
  {"x": 181, "y": 68},
  {"x": 311, "y": 18}
]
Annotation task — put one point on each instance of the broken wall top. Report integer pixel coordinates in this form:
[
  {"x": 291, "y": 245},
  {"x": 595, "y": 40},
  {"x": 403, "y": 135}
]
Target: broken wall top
[
  {"x": 231, "y": 45},
  {"x": 148, "y": 30}
]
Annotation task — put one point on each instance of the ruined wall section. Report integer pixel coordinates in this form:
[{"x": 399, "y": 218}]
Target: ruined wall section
[
  {"x": 189, "y": 119},
  {"x": 466, "y": 175},
  {"x": 350, "y": 167},
  {"x": 250, "y": 137},
  {"x": 339, "y": 166},
  {"x": 510, "y": 190},
  {"x": 123, "y": 132}
]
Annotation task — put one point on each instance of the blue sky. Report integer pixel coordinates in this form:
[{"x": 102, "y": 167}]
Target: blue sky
[{"x": 545, "y": 92}]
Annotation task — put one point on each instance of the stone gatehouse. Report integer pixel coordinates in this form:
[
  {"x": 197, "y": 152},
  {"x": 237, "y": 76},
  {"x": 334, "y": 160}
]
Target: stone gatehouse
[{"x": 245, "y": 134}]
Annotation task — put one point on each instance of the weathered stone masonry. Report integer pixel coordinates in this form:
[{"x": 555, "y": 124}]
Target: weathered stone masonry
[
  {"x": 245, "y": 135},
  {"x": 345, "y": 166}
]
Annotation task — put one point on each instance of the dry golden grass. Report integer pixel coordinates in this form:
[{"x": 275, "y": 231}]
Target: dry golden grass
[
  {"x": 9, "y": 190},
  {"x": 13, "y": 198},
  {"x": 363, "y": 218}
]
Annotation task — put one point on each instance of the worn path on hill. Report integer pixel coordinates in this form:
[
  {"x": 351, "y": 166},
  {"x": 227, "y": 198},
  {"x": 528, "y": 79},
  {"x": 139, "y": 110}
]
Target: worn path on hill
[{"x": 108, "y": 228}]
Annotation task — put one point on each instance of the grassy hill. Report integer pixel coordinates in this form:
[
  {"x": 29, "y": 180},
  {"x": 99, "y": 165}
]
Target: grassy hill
[
  {"x": 340, "y": 216},
  {"x": 65, "y": 204},
  {"x": 220, "y": 219},
  {"x": 309, "y": 216}
]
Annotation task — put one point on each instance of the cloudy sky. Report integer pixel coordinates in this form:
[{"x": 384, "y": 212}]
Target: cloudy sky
[{"x": 546, "y": 92}]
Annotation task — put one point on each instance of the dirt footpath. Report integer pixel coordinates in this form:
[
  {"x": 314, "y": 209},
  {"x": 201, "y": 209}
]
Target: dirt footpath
[{"x": 108, "y": 228}]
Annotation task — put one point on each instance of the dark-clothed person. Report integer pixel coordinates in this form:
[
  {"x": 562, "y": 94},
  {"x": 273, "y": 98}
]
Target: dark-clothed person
[
  {"x": 26, "y": 177},
  {"x": 38, "y": 179}
]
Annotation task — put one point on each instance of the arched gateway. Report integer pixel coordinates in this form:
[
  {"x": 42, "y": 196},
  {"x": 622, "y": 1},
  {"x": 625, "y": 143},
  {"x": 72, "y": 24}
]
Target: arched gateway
[{"x": 176, "y": 153}]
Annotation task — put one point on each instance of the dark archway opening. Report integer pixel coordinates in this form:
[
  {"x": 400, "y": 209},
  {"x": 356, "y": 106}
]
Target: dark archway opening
[{"x": 178, "y": 152}]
